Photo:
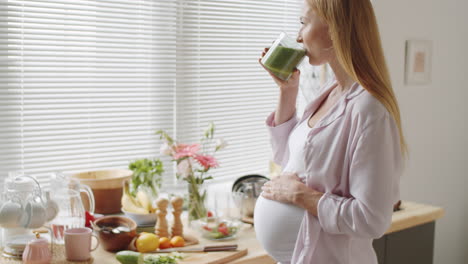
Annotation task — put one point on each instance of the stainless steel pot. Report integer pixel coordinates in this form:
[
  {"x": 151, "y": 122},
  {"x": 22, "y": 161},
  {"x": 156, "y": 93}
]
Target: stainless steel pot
[{"x": 247, "y": 189}]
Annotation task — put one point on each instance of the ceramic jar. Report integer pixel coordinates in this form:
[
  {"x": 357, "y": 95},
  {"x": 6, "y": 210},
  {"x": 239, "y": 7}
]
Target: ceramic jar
[{"x": 37, "y": 252}]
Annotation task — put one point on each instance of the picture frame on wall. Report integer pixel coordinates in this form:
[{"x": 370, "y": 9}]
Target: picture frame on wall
[{"x": 418, "y": 64}]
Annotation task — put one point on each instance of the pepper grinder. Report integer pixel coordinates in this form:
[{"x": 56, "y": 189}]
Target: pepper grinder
[
  {"x": 161, "y": 228},
  {"x": 177, "y": 227}
]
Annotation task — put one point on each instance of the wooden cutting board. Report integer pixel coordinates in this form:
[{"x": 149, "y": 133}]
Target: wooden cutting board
[
  {"x": 102, "y": 256},
  {"x": 213, "y": 257}
]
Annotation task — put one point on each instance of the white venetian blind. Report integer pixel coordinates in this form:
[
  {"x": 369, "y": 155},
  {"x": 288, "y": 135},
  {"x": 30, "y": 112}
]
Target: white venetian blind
[
  {"x": 85, "y": 83},
  {"x": 219, "y": 78}
]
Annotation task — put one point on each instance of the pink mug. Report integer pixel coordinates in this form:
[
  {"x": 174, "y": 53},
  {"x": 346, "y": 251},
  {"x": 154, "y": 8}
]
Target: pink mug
[{"x": 78, "y": 243}]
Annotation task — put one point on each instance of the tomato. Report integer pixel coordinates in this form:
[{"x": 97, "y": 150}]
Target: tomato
[{"x": 223, "y": 230}]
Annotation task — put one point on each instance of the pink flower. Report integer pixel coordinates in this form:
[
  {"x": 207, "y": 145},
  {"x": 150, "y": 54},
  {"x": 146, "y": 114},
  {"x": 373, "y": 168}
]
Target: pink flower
[
  {"x": 185, "y": 150},
  {"x": 165, "y": 149},
  {"x": 184, "y": 168},
  {"x": 207, "y": 161},
  {"x": 220, "y": 144}
]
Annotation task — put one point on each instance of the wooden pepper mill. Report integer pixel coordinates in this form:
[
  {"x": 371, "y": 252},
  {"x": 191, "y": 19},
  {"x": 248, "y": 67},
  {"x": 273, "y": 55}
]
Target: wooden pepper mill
[
  {"x": 161, "y": 228},
  {"x": 177, "y": 227}
]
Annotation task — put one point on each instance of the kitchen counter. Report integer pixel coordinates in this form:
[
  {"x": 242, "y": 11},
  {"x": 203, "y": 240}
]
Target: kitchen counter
[
  {"x": 409, "y": 240},
  {"x": 411, "y": 215}
]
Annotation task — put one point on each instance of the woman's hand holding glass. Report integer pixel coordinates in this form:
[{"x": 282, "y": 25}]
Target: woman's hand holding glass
[{"x": 289, "y": 86}]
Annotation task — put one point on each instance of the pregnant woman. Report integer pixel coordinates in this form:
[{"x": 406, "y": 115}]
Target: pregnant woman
[{"x": 343, "y": 158}]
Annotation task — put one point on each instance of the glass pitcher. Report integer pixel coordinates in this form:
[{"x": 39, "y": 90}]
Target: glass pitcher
[
  {"x": 71, "y": 213},
  {"x": 61, "y": 181}
]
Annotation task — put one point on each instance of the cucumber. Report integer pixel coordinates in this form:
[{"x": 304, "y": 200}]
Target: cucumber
[{"x": 129, "y": 257}]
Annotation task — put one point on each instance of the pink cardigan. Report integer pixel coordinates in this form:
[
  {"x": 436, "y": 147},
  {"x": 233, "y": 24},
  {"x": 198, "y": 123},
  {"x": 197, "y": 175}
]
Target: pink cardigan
[{"x": 353, "y": 156}]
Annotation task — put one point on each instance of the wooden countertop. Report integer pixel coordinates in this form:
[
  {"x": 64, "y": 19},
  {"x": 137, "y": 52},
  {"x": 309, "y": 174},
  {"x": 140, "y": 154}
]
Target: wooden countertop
[
  {"x": 414, "y": 214},
  {"x": 411, "y": 214}
]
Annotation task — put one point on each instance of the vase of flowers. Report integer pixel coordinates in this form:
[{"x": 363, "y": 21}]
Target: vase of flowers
[{"x": 194, "y": 162}]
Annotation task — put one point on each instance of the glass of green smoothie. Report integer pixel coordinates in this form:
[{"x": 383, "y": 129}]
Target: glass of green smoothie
[{"x": 283, "y": 56}]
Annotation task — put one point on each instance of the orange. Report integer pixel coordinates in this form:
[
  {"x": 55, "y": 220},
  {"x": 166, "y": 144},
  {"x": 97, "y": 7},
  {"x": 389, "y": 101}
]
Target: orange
[
  {"x": 177, "y": 241},
  {"x": 164, "y": 242}
]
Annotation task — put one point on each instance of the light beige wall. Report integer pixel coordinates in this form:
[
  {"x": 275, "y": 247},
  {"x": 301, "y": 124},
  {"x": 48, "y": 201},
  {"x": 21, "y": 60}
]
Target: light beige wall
[{"x": 435, "y": 116}]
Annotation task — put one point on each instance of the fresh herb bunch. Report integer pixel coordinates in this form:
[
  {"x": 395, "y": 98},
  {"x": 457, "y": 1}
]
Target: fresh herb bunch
[
  {"x": 163, "y": 259},
  {"x": 132, "y": 257},
  {"x": 147, "y": 173}
]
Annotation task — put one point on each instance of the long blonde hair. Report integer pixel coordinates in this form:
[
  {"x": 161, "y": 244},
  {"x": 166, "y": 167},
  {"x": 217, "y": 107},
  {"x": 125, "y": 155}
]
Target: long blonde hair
[{"x": 356, "y": 40}]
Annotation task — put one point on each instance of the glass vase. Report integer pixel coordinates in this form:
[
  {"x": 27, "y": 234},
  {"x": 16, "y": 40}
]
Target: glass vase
[{"x": 196, "y": 201}]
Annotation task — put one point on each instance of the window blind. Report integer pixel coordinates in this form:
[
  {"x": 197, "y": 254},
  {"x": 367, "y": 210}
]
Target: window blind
[
  {"x": 220, "y": 79},
  {"x": 84, "y": 84}
]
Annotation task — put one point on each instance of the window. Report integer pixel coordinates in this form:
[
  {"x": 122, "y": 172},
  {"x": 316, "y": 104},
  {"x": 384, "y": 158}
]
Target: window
[{"x": 85, "y": 84}]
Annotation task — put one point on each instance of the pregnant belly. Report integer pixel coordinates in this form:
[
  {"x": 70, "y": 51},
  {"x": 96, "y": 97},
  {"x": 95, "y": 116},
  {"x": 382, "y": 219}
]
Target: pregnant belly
[{"x": 276, "y": 226}]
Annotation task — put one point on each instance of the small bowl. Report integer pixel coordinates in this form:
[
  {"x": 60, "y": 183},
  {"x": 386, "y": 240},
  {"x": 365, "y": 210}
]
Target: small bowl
[
  {"x": 221, "y": 230},
  {"x": 115, "y": 232},
  {"x": 142, "y": 219}
]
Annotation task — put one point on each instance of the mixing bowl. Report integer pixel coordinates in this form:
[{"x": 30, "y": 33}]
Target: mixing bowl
[{"x": 107, "y": 187}]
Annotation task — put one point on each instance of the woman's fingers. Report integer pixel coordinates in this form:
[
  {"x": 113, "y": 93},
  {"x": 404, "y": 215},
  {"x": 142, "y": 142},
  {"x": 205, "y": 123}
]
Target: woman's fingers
[
  {"x": 277, "y": 80},
  {"x": 291, "y": 82}
]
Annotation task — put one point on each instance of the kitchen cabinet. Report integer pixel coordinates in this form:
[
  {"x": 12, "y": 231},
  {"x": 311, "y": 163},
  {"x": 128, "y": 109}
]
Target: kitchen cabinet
[
  {"x": 414, "y": 245},
  {"x": 410, "y": 238}
]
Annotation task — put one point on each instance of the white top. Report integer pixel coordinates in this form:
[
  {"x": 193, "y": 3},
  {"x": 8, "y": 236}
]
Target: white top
[
  {"x": 277, "y": 224},
  {"x": 296, "y": 145}
]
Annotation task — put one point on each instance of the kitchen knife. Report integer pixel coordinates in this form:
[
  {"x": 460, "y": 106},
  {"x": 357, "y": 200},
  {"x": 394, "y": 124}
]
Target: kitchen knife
[{"x": 216, "y": 248}]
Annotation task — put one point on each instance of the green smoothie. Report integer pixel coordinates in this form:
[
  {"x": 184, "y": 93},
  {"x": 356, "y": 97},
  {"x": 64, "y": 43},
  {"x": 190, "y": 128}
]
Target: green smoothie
[{"x": 283, "y": 60}]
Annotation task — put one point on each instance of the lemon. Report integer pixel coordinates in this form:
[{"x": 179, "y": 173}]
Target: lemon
[{"x": 147, "y": 242}]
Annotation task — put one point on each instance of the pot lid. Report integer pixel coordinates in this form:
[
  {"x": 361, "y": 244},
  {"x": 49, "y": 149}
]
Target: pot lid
[{"x": 38, "y": 241}]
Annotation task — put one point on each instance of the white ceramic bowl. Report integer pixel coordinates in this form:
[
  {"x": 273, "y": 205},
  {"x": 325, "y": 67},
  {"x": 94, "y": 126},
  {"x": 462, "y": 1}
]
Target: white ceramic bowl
[{"x": 142, "y": 219}]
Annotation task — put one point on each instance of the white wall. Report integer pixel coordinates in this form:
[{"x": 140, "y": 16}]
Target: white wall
[{"x": 435, "y": 115}]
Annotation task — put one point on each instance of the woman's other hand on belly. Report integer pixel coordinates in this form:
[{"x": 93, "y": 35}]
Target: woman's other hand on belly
[
  {"x": 289, "y": 188},
  {"x": 283, "y": 188}
]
